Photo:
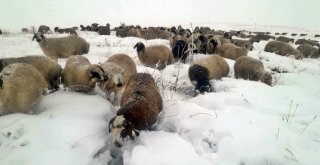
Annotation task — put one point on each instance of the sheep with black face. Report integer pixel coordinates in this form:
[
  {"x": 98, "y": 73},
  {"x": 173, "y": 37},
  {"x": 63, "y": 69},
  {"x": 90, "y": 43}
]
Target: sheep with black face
[{"x": 155, "y": 56}]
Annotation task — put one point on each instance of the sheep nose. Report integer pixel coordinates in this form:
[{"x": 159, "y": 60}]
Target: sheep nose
[
  {"x": 119, "y": 85},
  {"x": 38, "y": 40}
]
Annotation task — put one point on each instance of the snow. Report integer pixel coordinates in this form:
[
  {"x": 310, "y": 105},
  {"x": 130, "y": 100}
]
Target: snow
[{"x": 242, "y": 122}]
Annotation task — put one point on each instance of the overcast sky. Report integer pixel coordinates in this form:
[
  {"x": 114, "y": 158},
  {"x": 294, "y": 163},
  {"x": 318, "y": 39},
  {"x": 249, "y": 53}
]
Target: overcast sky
[{"x": 15, "y": 14}]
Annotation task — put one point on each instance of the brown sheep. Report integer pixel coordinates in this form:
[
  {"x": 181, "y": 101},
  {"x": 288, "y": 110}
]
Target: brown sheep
[
  {"x": 141, "y": 104},
  {"x": 282, "y": 49},
  {"x": 154, "y": 55},
  {"x": 62, "y": 47},
  {"x": 205, "y": 69},
  {"x": 285, "y": 39},
  {"x": 232, "y": 51},
  {"x": 265, "y": 37},
  {"x": 252, "y": 69},
  {"x": 80, "y": 75},
  {"x": 21, "y": 87},
  {"x": 309, "y": 51},
  {"x": 50, "y": 69},
  {"x": 118, "y": 68}
]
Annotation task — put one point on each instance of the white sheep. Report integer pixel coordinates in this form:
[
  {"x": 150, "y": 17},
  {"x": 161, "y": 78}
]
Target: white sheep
[
  {"x": 118, "y": 69},
  {"x": 21, "y": 87},
  {"x": 62, "y": 47}
]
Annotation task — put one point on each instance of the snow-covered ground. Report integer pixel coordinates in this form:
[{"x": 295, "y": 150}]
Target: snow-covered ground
[{"x": 241, "y": 123}]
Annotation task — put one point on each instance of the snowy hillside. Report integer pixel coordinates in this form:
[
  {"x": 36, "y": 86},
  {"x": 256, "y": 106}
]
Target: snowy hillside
[{"x": 241, "y": 123}]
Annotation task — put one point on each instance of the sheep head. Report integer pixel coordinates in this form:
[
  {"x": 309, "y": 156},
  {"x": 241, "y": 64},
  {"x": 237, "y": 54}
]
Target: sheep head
[
  {"x": 266, "y": 78},
  {"x": 120, "y": 129},
  {"x": 96, "y": 72},
  {"x": 39, "y": 37},
  {"x": 140, "y": 46}
]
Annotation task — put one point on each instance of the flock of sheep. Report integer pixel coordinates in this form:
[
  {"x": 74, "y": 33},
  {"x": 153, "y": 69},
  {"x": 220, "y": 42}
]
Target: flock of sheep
[{"x": 24, "y": 80}]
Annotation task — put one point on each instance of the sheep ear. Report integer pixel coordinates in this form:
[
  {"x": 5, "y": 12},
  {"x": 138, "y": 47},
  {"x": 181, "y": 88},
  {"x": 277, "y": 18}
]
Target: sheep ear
[{"x": 42, "y": 36}]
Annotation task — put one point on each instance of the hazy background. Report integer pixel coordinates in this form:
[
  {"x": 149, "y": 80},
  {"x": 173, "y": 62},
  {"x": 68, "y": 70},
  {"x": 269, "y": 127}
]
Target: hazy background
[{"x": 15, "y": 14}]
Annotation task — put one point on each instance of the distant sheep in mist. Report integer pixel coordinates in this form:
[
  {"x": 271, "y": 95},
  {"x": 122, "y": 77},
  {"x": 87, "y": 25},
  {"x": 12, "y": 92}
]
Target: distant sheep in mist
[
  {"x": 310, "y": 42},
  {"x": 232, "y": 51},
  {"x": 21, "y": 87},
  {"x": 205, "y": 69},
  {"x": 80, "y": 75},
  {"x": 140, "y": 106},
  {"x": 309, "y": 51},
  {"x": 66, "y": 30},
  {"x": 44, "y": 29},
  {"x": 155, "y": 56},
  {"x": 285, "y": 39},
  {"x": 282, "y": 49},
  {"x": 62, "y": 47},
  {"x": 252, "y": 69},
  {"x": 50, "y": 69},
  {"x": 118, "y": 69}
]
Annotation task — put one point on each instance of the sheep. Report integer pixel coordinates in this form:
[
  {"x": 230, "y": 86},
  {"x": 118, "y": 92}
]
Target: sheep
[
  {"x": 249, "y": 68},
  {"x": 25, "y": 30},
  {"x": 0, "y": 32},
  {"x": 213, "y": 45},
  {"x": 104, "y": 30},
  {"x": 154, "y": 55},
  {"x": 294, "y": 34},
  {"x": 243, "y": 43},
  {"x": 303, "y": 34},
  {"x": 80, "y": 75},
  {"x": 205, "y": 69},
  {"x": 284, "y": 33},
  {"x": 309, "y": 51},
  {"x": 181, "y": 50},
  {"x": 282, "y": 49},
  {"x": 62, "y": 47},
  {"x": 44, "y": 29},
  {"x": 141, "y": 104},
  {"x": 232, "y": 51},
  {"x": 66, "y": 30},
  {"x": 277, "y": 33},
  {"x": 201, "y": 44},
  {"x": 265, "y": 37},
  {"x": 118, "y": 68},
  {"x": 310, "y": 42},
  {"x": 285, "y": 39},
  {"x": 316, "y": 35},
  {"x": 50, "y": 69},
  {"x": 21, "y": 87}
]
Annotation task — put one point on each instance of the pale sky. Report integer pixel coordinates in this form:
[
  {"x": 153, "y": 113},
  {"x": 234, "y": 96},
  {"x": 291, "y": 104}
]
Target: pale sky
[{"x": 15, "y": 14}]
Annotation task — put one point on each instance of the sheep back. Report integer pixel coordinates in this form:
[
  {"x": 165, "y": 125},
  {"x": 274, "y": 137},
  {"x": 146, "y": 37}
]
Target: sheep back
[
  {"x": 49, "y": 68},
  {"x": 232, "y": 51},
  {"x": 282, "y": 49},
  {"x": 309, "y": 51},
  {"x": 21, "y": 88},
  {"x": 77, "y": 74},
  {"x": 249, "y": 68}
]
